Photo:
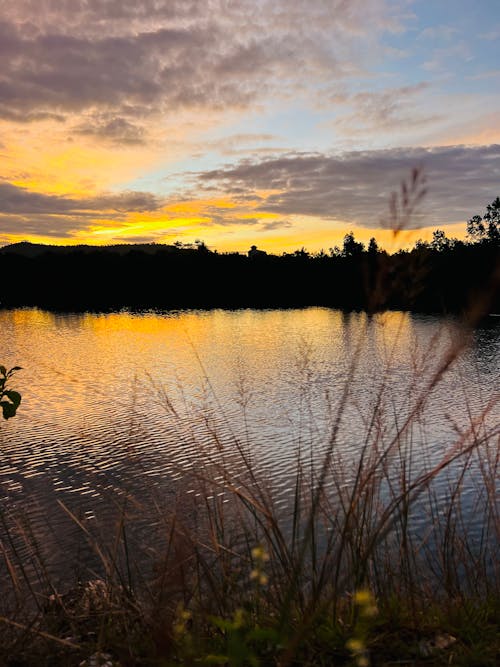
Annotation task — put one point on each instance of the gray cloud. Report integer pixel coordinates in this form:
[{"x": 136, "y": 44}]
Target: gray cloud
[
  {"x": 90, "y": 17},
  {"x": 214, "y": 216},
  {"x": 117, "y": 130},
  {"x": 33, "y": 213},
  {"x": 356, "y": 186},
  {"x": 28, "y": 117},
  {"x": 57, "y": 226},
  {"x": 20, "y": 201},
  {"x": 275, "y": 224},
  {"x": 137, "y": 58},
  {"x": 390, "y": 109}
]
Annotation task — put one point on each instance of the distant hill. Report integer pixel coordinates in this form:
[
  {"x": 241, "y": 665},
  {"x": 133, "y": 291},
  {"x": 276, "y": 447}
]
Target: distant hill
[{"x": 30, "y": 250}]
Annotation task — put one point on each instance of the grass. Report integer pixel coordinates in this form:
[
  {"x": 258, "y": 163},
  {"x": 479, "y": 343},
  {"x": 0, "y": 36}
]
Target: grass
[{"x": 340, "y": 577}]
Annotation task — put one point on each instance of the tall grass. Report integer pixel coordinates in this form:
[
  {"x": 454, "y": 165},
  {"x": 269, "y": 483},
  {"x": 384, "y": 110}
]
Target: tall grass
[{"x": 349, "y": 571}]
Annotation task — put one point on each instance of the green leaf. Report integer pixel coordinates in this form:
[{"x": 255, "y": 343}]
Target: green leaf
[
  {"x": 9, "y": 409},
  {"x": 3, "y": 370},
  {"x": 14, "y": 369},
  {"x": 14, "y": 396},
  {"x": 222, "y": 623}
]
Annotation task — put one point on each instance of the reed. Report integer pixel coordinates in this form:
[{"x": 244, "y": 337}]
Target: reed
[{"x": 340, "y": 575}]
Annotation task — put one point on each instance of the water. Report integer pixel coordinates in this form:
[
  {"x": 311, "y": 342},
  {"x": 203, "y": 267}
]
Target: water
[{"x": 123, "y": 409}]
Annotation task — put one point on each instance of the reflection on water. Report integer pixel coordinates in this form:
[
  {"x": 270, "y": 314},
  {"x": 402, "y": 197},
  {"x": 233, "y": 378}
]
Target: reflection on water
[{"x": 111, "y": 401}]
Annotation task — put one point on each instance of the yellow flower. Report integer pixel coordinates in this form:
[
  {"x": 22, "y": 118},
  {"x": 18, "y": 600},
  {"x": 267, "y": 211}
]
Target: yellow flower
[
  {"x": 260, "y": 554},
  {"x": 180, "y": 625},
  {"x": 363, "y": 597},
  {"x": 355, "y": 645}
]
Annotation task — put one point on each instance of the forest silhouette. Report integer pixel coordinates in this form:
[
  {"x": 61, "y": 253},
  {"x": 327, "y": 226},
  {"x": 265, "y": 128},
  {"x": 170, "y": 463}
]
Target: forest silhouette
[{"x": 443, "y": 275}]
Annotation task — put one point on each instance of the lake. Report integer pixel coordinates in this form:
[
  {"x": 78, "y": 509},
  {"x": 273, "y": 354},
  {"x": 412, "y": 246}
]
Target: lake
[{"x": 130, "y": 407}]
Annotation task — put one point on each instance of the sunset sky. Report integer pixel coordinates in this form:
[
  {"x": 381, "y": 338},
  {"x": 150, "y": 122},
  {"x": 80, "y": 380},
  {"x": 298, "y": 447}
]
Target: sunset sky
[{"x": 280, "y": 123}]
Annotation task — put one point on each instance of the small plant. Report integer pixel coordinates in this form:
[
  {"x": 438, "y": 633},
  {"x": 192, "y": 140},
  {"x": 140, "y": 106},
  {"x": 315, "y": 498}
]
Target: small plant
[
  {"x": 365, "y": 610},
  {"x": 9, "y": 399}
]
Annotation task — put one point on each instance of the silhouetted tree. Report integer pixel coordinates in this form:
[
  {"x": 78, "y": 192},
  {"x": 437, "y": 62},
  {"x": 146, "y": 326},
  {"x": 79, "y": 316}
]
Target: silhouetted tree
[
  {"x": 302, "y": 253},
  {"x": 201, "y": 247},
  {"x": 440, "y": 241},
  {"x": 373, "y": 246},
  {"x": 486, "y": 227},
  {"x": 352, "y": 248},
  {"x": 335, "y": 251}
]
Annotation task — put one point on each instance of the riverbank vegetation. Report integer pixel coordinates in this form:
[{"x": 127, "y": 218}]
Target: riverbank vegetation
[
  {"x": 445, "y": 275},
  {"x": 388, "y": 556}
]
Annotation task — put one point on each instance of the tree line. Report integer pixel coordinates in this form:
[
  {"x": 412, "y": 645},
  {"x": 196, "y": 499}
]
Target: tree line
[{"x": 442, "y": 275}]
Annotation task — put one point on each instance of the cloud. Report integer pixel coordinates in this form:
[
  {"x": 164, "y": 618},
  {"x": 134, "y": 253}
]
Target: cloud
[
  {"x": 89, "y": 17},
  {"x": 43, "y": 225},
  {"x": 240, "y": 144},
  {"x": 152, "y": 57},
  {"x": 21, "y": 201},
  {"x": 28, "y": 117},
  {"x": 390, "y": 109},
  {"x": 269, "y": 194},
  {"x": 32, "y": 213},
  {"x": 272, "y": 193},
  {"x": 447, "y": 60},
  {"x": 356, "y": 186},
  {"x": 212, "y": 215},
  {"x": 114, "y": 129},
  {"x": 274, "y": 225}
]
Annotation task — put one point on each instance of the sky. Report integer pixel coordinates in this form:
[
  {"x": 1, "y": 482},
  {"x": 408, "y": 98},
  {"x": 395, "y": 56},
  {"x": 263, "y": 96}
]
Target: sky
[{"x": 279, "y": 123}]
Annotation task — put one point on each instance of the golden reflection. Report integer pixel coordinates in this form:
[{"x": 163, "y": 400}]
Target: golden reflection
[
  {"x": 100, "y": 371},
  {"x": 32, "y": 317},
  {"x": 255, "y": 329},
  {"x": 392, "y": 331}
]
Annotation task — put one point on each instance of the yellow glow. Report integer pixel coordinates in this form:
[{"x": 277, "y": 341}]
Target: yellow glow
[
  {"x": 43, "y": 158},
  {"x": 314, "y": 239},
  {"x": 108, "y": 231},
  {"x": 50, "y": 157},
  {"x": 314, "y": 235},
  {"x": 53, "y": 165}
]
